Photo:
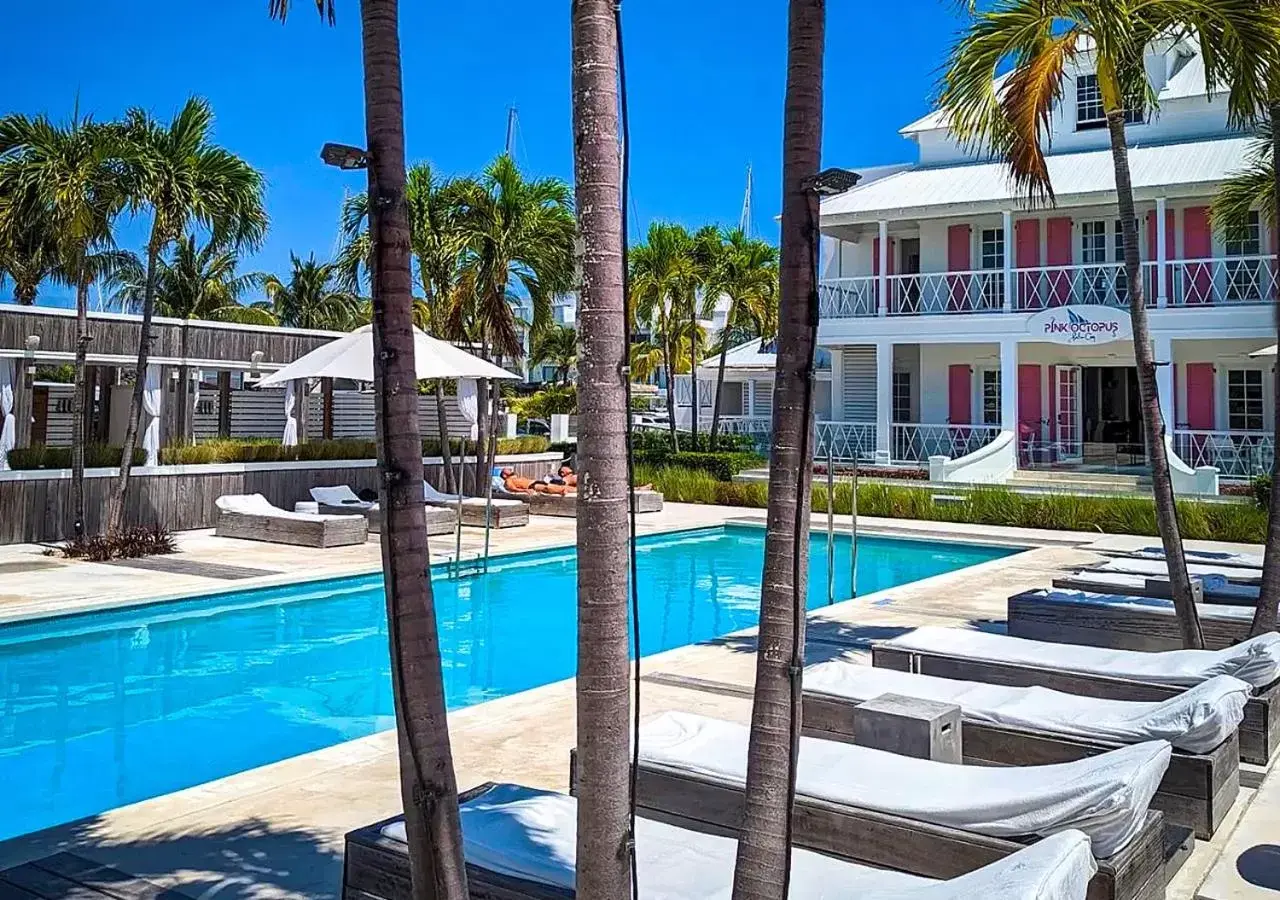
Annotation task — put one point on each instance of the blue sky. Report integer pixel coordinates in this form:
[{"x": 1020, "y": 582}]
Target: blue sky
[{"x": 706, "y": 83}]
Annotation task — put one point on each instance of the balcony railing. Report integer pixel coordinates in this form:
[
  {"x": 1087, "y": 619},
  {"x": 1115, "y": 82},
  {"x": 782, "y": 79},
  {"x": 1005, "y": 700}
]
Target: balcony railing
[
  {"x": 846, "y": 441},
  {"x": 916, "y": 443},
  {"x": 1235, "y": 454},
  {"x": 1230, "y": 281}
]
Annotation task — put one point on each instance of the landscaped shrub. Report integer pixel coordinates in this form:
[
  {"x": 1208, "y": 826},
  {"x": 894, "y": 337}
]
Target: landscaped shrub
[
  {"x": 1261, "y": 487},
  {"x": 900, "y": 474},
  {"x": 129, "y": 543},
  {"x": 657, "y": 442},
  {"x": 223, "y": 450},
  {"x": 722, "y": 465},
  {"x": 96, "y": 456}
]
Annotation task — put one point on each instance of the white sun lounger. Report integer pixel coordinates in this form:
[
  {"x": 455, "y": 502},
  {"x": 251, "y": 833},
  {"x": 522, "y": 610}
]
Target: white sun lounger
[
  {"x": 502, "y": 513},
  {"x": 521, "y": 844},
  {"x": 1120, "y": 621},
  {"x": 252, "y": 517},
  {"x": 1217, "y": 590},
  {"x": 1158, "y": 568},
  {"x": 341, "y": 500},
  {"x": 1209, "y": 557},
  {"x": 1034, "y": 726},
  {"x": 1097, "y": 671}
]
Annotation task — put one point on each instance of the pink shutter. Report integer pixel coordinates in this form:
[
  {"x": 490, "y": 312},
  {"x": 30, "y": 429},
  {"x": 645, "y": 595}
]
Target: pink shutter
[
  {"x": 1058, "y": 253},
  {"x": 1026, "y": 255},
  {"x": 1197, "y": 243},
  {"x": 1030, "y": 410},
  {"x": 957, "y": 261},
  {"x": 1177, "y": 404},
  {"x": 1200, "y": 412},
  {"x": 960, "y": 395}
]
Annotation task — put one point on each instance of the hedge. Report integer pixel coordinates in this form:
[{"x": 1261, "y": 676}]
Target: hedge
[
  {"x": 96, "y": 456},
  {"x": 269, "y": 450},
  {"x": 1199, "y": 520},
  {"x": 722, "y": 465}
]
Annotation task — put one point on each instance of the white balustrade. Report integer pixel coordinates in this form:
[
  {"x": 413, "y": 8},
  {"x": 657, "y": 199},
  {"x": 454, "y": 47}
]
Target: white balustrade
[
  {"x": 916, "y": 443},
  {"x": 1232, "y": 281},
  {"x": 1235, "y": 454},
  {"x": 1042, "y": 287},
  {"x": 949, "y": 292},
  {"x": 846, "y": 441},
  {"x": 844, "y": 298}
]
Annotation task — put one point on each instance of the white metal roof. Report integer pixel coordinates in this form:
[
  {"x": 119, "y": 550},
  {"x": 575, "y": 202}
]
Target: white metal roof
[{"x": 935, "y": 190}]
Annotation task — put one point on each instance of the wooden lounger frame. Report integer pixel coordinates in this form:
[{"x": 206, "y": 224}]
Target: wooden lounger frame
[
  {"x": 1151, "y": 587},
  {"x": 302, "y": 532},
  {"x": 1197, "y": 790},
  {"x": 502, "y": 515},
  {"x": 439, "y": 520},
  {"x": 566, "y": 505},
  {"x": 1039, "y": 618},
  {"x": 1139, "y": 872},
  {"x": 1259, "y": 732},
  {"x": 377, "y": 868},
  {"x": 1235, "y": 574}
]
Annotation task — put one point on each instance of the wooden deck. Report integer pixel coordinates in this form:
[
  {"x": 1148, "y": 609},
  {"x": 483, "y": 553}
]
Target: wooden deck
[{"x": 65, "y": 876}]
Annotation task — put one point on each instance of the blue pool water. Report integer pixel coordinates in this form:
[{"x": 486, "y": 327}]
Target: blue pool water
[{"x": 103, "y": 709}]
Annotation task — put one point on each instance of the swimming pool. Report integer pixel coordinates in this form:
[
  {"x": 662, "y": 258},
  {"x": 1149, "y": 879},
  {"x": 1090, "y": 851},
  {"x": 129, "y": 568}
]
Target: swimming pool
[{"x": 103, "y": 709}]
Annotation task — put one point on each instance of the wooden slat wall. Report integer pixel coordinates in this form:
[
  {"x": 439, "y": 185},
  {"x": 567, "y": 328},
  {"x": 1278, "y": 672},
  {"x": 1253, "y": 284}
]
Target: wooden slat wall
[{"x": 40, "y": 509}]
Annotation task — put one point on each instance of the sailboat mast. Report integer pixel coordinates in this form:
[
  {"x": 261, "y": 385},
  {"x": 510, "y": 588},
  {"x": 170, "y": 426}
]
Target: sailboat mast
[{"x": 744, "y": 221}]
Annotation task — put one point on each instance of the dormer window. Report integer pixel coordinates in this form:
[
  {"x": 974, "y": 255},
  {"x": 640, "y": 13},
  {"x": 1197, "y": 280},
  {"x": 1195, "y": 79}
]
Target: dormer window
[{"x": 1090, "y": 112}]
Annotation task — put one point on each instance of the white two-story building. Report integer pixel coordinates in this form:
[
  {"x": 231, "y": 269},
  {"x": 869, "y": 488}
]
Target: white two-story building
[{"x": 964, "y": 324}]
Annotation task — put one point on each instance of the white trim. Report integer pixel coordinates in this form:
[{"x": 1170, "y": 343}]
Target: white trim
[
  {"x": 95, "y": 316},
  {"x": 46, "y": 357}
]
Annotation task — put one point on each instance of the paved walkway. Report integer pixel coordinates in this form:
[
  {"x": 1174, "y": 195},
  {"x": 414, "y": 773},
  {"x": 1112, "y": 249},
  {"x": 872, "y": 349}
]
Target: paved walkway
[{"x": 276, "y": 831}]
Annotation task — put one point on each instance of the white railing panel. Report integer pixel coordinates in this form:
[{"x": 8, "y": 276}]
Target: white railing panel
[
  {"x": 846, "y": 441},
  {"x": 1235, "y": 454},
  {"x": 845, "y": 298},
  {"x": 1232, "y": 281},
  {"x": 916, "y": 443},
  {"x": 1042, "y": 287},
  {"x": 948, "y": 292}
]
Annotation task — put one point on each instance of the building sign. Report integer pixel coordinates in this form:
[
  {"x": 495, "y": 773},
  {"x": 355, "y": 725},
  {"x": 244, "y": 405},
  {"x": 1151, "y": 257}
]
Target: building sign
[{"x": 1077, "y": 325}]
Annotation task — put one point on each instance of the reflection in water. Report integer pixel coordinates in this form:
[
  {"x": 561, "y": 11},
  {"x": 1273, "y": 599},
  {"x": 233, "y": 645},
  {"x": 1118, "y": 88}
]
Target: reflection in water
[{"x": 105, "y": 709}]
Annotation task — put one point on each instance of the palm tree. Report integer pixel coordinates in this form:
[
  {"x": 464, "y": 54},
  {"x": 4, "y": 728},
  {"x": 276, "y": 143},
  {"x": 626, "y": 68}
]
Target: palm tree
[
  {"x": 706, "y": 248},
  {"x": 604, "y": 828},
  {"x": 428, "y": 786},
  {"x": 748, "y": 276},
  {"x": 184, "y": 179},
  {"x": 661, "y": 271},
  {"x": 764, "y": 855},
  {"x": 1038, "y": 38},
  {"x": 28, "y": 250},
  {"x": 312, "y": 297},
  {"x": 69, "y": 177},
  {"x": 518, "y": 231},
  {"x": 558, "y": 345},
  {"x": 200, "y": 281}
]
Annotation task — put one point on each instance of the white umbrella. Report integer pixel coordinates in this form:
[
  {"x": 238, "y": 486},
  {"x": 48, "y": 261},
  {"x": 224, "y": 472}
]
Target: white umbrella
[
  {"x": 1265, "y": 351},
  {"x": 351, "y": 357}
]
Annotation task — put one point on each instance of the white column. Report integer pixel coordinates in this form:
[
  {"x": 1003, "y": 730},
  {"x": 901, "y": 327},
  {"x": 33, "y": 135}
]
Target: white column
[
  {"x": 1164, "y": 378},
  {"x": 1162, "y": 255},
  {"x": 1008, "y": 259},
  {"x": 751, "y": 396},
  {"x": 837, "y": 383},
  {"x": 1009, "y": 384},
  {"x": 884, "y": 400},
  {"x": 882, "y": 282}
]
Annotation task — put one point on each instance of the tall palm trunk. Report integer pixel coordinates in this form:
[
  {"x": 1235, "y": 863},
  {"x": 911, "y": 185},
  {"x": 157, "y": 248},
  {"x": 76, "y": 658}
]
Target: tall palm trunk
[
  {"x": 79, "y": 402},
  {"x": 763, "y": 863},
  {"x": 482, "y": 432},
  {"x": 115, "y": 507},
  {"x": 428, "y": 787},
  {"x": 602, "y": 702},
  {"x": 1264, "y": 617},
  {"x": 668, "y": 360},
  {"x": 693, "y": 376},
  {"x": 724, "y": 355},
  {"x": 1148, "y": 392},
  {"x": 446, "y": 452}
]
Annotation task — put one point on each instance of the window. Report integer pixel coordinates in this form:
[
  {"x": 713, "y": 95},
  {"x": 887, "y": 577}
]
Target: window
[
  {"x": 1094, "y": 282},
  {"x": 1244, "y": 276},
  {"x": 1090, "y": 112},
  {"x": 902, "y": 397},
  {"x": 1244, "y": 400},
  {"x": 990, "y": 396},
  {"x": 1247, "y": 241},
  {"x": 731, "y": 400},
  {"x": 991, "y": 247}
]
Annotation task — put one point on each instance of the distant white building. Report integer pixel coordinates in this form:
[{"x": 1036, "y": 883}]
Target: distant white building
[{"x": 965, "y": 326}]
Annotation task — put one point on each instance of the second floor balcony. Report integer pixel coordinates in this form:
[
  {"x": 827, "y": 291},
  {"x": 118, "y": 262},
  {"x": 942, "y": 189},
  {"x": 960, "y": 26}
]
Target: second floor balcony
[{"x": 1191, "y": 283}]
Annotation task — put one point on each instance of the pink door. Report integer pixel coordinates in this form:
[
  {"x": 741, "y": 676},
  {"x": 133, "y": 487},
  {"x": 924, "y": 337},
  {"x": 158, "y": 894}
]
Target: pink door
[
  {"x": 1197, "y": 244},
  {"x": 957, "y": 261},
  {"x": 1058, "y": 253},
  {"x": 1030, "y": 409},
  {"x": 960, "y": 395},
  {"x": 1200, "y": 411}
]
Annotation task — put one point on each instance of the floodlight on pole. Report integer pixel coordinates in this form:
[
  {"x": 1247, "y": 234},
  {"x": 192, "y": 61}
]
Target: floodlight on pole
[
  {"x": 830, "y": 182},
  {"x": 344, "y": 156}
]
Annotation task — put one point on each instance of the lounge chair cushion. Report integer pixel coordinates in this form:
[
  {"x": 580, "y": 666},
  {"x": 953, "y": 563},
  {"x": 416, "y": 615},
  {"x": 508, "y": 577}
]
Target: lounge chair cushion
[
  {"x": 1224, "y": 557},
  {"x": 1255, "y": 661},
  {"x": 532, "y": 835},
  {"x": 340, "y": 495},
  {"x": 258, "y": 505},
  {"x": 1112, "y": 582},
  {"x": 1105, "y": 796},
  {"x": 431, "y": 495},
  {"x": 1147, "y": 604},
  {"x": 1196, "y": 720},
  {"x": 1158, "y": 568}
]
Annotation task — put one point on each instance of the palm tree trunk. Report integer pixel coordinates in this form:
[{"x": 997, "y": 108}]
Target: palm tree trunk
[
  {"x": 491, "y": 446},
  {"x": 763, "y": 864},
  {"x": 724, "y": 355},
  {"x": 669, "y": 361},
  {"x": 79, "y": 401},
  {"x": 115, "y": 507},
  {"x": 1153, "y": 421},
  {"x": 25, "y": 293},
  {"x": 693, "y": 376},
  {"x": 1264, "y": 617},
  {"x": 603, "y": 679},
  {"x": 428, "y": 787},
  {"x": 446, "y": 452}
]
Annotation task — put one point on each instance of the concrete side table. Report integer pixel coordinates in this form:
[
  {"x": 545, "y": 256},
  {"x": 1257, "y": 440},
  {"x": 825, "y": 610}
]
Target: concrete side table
[{"x": 910, "y": 727}]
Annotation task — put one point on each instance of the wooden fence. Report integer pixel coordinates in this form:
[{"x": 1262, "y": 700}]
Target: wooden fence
[{"x": 36, "y": 506}]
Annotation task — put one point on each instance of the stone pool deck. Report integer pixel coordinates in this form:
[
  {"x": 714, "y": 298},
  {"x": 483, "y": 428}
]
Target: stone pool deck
[{"x": 276, "y": 831}]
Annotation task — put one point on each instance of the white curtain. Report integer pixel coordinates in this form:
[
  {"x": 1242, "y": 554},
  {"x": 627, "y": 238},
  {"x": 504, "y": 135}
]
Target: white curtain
[
  {"x": 290, "y": 414},
  {"x": 8, "y": 421},
  {"x": 152, "y": 400},
  {"x": 468, "y": 403}
]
